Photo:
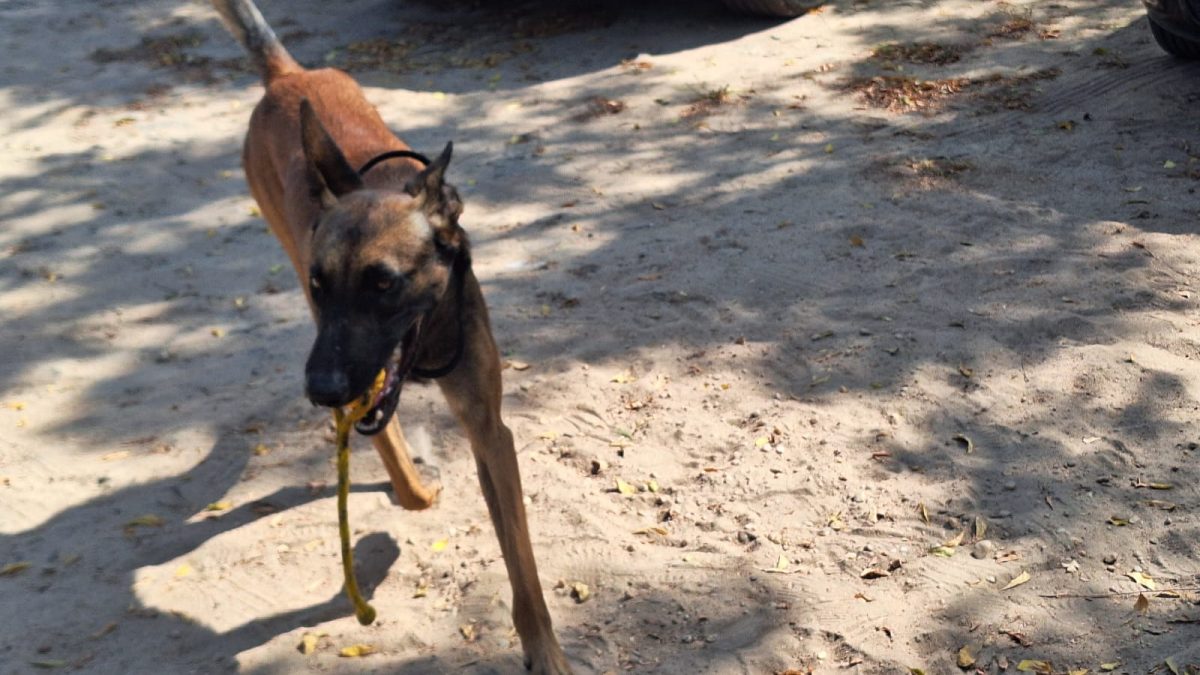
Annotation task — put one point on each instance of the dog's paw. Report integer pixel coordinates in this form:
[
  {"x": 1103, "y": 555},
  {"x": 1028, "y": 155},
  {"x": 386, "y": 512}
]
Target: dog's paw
[{"x": 549, "y": 662}]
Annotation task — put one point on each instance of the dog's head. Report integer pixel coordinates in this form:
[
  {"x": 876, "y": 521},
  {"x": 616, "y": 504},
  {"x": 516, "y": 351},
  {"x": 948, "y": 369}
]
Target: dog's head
[{"x": 380, "y": 261}]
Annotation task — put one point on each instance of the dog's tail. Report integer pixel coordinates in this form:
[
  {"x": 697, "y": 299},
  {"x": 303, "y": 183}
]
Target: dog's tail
[{"x": 250, "y": 29}]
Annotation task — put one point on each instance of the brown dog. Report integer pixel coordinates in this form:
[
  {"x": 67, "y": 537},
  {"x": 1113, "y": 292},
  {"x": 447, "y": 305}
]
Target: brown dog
[{"x": 387, "y": 272}]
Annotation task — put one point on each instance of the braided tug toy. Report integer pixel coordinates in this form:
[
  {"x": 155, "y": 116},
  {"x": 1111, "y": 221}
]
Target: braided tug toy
[{"x": 345, "y": 419}]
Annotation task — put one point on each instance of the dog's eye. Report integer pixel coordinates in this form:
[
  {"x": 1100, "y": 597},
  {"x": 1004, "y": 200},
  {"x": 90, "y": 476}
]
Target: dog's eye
[
  {"x": 314, "y": 280},
  {"x": 380, "y": 278}
]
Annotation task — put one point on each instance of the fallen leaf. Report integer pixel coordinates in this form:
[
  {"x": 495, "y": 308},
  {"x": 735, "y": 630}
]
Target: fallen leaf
[
  {"x": 874, "y": 573},
  {"x": 965, "y": 371},
  {"x": 924, "y": 512},
  {"x": 183, "y": 570},
  {"x": 468, "y": 632},
  {"x": 1142, "y": 580},
  {"x": 148, "y": 520},
  {"x": 1071, "y": 566},
  {"x": 1170, "y": 663},
  {"x": 219, "y": 506},
  {"x": 965, "y": 658},
  {"x": 517, "y": 365},
  {"x": 782, "y": 564},
  {"x": 1142, "y": 604},
  {"x": 1161, "y": 486},
  {"x": 580, "y": 592},
  {"x": 829, "y": 149},
  {"x": 966, "y": 442},
  {"x": 354, "y": 651},
  {"x": 1017, "y": 637},
  {"x": 1035, "y": 666},
  {"x": 625, "y": 488},
  {"x": 1109, "y": 667},
  {"x": 439, "y": 545},
  {"x": 48, "y": 663},
  {"x": 1160, "y": 504},
  {"x": 1168, "y": 164},
  {"x": 308, "y": 643},
  {"x": 980, "y": 527},
  {"x": 1119, "y": 522},
  {"x": 1017, "y": 580},
  {"x": 655, "y": 529},
  {"x": 13, "y": 569},
  {"x": 114, "y": 456},
  {"x": 1008, "y": 556},
  {"x": 856, "y": 240}
]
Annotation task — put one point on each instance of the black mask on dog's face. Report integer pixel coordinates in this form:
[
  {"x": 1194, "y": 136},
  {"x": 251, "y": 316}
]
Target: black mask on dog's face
[{"x": 381, "y": 260}]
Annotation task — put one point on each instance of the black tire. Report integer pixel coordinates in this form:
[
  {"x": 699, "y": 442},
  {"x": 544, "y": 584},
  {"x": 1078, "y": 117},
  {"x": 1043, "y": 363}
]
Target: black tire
[
  {"x": 1173, "y": 44},
  {"x": 778, "y": 8}
]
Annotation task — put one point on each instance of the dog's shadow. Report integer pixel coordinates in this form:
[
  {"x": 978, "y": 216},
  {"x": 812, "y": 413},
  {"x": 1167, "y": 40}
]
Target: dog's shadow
[{"x": 81, "y": 561}]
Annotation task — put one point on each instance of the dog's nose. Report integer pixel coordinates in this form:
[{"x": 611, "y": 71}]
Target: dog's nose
[{"x": 327, "y": 388}]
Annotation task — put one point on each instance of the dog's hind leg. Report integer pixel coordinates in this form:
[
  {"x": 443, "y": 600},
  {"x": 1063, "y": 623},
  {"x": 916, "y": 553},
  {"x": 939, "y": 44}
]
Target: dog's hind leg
[{"x": 395, "y": 452}]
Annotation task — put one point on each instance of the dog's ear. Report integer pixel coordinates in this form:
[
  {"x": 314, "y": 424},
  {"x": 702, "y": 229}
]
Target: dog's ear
[
  {"x": 329, "y": 174},
  {"x": 439, "y": 200}
]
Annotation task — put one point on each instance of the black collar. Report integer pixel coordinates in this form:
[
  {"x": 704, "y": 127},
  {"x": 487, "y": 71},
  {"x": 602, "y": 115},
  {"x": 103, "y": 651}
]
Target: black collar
[
  {"x": 459, "y": 269},
  {"x": 410, "y": 154}
]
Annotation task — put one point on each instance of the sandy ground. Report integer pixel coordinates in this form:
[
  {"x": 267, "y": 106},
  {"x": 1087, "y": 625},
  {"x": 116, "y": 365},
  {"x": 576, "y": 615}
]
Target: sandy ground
[{"x": 824, "y": 300}]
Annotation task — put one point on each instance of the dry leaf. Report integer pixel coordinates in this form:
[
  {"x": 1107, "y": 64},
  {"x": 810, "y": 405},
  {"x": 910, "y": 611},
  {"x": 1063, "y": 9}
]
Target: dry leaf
[
  {"x": 1109, "y": 667},
  {"x": 1017, "y": 580},
  {"x": 517, "y": 365},
  {"x": 148, "y": 520},
  {"x": 1161, "y": 486},
  {"x": 966, "y": 442},
  {"x": 468, "y": 632},
  {"x": 308, "y": 643},
  {"x": 183, "y": 570},
  {"x": 219, "y": 506},
  {"x": 1119, "y": 522},
  {"x": 874, "y": 573},
  {"x": 1017, "y": 637},
  {"x": 625, "y": 488},
  {"x": 1142, "y": 580},
  {"x": 580, "y": 592},
  {"x": 1142, "y": 604},
  {"x": 439, "y": 545},
  {"x": 357, "y": 650},
  {"x": 1170, "y": 663},
  {"x": 924, "y": 512},
  {"x": 1035, "y": 666},
  {"x": 114, "y": 456},
  {"x": 856, "y": 240},
  {"x": 13, "y": 569},
  {"x": 980, "y": 527},
  {"x": 965, "y": 658}
]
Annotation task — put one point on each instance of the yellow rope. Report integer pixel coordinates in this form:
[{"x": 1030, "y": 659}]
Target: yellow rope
[{"x": 345, "y": 421}]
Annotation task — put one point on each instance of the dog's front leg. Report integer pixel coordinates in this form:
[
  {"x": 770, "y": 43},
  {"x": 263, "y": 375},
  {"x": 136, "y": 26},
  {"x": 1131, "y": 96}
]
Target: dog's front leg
[
  {"x": 394, "y": 450},
  {"x": 473, "y": 391}
]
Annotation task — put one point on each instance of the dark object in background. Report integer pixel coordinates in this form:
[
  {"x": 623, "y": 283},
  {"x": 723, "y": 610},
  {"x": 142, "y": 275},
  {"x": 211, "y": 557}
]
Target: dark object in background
[
  {"x": 1176, "y": 26},
  {"x": 780, "y": 8}
]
